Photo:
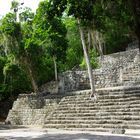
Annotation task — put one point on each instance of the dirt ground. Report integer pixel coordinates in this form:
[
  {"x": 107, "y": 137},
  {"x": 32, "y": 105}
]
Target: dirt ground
[{"x": 42, "y": 134}]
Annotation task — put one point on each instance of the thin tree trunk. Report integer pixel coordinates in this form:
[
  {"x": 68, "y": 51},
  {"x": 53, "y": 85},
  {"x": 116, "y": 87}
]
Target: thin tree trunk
[
  {"x": 27, "y": 63},
  {"x": 89, "y": 40},
  {"x": 31, "y": 76},
  {"x": 98, "y": 42},
  {"x": 34, "y": 85},
  {"x": 87, "y": 58},
  {"x": 55, "y": 68},
  {"x": 93, "y": 40},
  {"x": 6, "y": 44}
]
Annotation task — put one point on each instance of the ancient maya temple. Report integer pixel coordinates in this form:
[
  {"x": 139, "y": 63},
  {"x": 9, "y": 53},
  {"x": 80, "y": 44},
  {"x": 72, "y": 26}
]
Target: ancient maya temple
[{"x": 69, "y": 106}]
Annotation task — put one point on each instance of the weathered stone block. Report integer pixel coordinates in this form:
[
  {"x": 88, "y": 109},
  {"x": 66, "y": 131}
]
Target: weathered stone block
[{"x": 118, "y": 131}]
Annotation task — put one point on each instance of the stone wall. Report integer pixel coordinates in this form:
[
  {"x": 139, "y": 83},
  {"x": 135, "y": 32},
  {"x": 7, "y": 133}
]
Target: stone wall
[
  {"x": 32, "y": 109},
  {"x": 110, "y": 72},
  {"x": 50, "y": 87},
  {"x": 118, "y": 68},
  {"x": 79, "y": 80}
]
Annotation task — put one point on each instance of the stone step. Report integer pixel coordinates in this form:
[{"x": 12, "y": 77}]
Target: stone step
[
  {"x": 84, "y": 122},
  {"x": 126, "y": 83},
  {"x": 101, "y": 100},
  {"x": 110, "y": 117},
  {"x": 124, "y": 110},
  {"x": 81, "y": 129},
  {"x": 98, "y": 106},
  {"x": 119, "y": 89},
  {"x": 118, "y": 98},
  {"x": 108, "y": 126},
  {"x": 122, "y": 91},
  {"x": 96, "y": 113},
  {"x": 109, "y": 108},
  {"x": 84, "y": 102},
  {"x": 113, "y": 122},
  {"x": 129, "y": 99},
  {"x": 103, "y": 97},
  {"x": 106, "y": 92},
  {"x": 25, "y": 111}
]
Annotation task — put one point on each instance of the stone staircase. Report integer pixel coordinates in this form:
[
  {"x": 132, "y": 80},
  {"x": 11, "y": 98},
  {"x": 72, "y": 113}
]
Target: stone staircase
[
  {"x": 114, "y": 109},
  {"x": 117, "y": 105},
  {"x": 131, "y": 73},
  {"x": 118, "y": 69}
]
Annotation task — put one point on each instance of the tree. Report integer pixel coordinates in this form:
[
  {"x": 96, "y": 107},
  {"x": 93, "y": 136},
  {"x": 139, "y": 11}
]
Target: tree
[
  {"x": 74, "y": 44},
  {"x": 54, "y": 36},
  {"x": 83, "y": 12},
  {"x": 18, "y": 40},
  {"x": 122, "y": 16},
  {"x": 15, "y": 8},
  {"x": 112, "y": 20}
]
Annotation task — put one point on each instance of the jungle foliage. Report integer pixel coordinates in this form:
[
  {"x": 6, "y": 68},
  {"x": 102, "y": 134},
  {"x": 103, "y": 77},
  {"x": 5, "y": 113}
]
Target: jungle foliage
[{"x": 34, "y": 48}]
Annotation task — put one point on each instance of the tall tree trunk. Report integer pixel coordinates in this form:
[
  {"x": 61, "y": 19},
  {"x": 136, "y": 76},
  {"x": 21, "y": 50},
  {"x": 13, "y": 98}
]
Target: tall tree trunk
[
  {"x": 34, "y": 85},
  {"x": 98, "y": 44},
  {"x": 5, "y": 44},
  {"x": 87, "y": 58},
  {"x": 55, "y": 68},
  {"x": 89, "y": 41},
  {"x": 31, "y": 76}
]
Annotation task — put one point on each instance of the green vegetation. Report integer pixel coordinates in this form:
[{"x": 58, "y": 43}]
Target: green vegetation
[
  {"x": 93, "y": 60},
  {"x": 34, "y": 48}
]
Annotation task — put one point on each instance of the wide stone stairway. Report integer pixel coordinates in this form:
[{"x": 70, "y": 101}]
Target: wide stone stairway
[
  {"x": 114, "y": 109},
  {"x": 117, "y": 106}
]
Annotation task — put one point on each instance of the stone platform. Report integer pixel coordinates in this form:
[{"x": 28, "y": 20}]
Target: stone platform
[{"x": 117, "y": 107}]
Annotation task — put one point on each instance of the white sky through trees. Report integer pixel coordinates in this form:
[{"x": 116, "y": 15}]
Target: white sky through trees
[{"x": 6, "y": 4}]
